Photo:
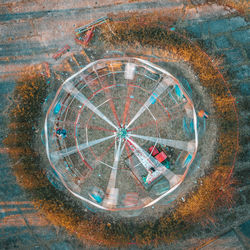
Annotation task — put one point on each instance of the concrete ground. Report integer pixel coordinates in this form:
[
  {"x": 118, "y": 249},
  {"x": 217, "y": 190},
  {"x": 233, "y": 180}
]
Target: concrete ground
[{"x": 32, "y": 32}]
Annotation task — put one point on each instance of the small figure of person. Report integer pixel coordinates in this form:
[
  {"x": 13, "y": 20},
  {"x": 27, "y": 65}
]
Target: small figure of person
[{"x": 61, "y": 132}]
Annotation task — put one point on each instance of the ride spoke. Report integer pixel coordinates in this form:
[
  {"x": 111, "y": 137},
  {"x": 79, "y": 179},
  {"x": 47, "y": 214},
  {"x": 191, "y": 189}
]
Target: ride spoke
[
  {"x": 127, "y": 105},
  {"x": 107, "y": 150},
  {"x": 148, "y": 161},
  {"x": 69, "y": 151},
  {"x": 146, "y": 124},
  {"x": 109, "y": 96},
  {"x": 156, "y": 93},
  {"x": 81, "y": 98},
  {"x": 110, "y": 201},
  {"x": 99, "y": 128},
  {"x": 188, "y": 146}
]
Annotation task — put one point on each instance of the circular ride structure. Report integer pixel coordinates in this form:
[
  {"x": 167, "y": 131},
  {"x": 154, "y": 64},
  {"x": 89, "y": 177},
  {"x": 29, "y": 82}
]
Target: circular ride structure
[{"x": 114, "y": 134}]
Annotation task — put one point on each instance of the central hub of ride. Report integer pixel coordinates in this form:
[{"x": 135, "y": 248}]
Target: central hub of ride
[{"x": 122, "y": 133}]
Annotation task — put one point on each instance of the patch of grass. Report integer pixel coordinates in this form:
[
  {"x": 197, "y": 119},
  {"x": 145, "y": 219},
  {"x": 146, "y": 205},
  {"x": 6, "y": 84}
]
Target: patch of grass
[
  {"x": 29, "y": 95},
  {"x": 215, "y": 190}
]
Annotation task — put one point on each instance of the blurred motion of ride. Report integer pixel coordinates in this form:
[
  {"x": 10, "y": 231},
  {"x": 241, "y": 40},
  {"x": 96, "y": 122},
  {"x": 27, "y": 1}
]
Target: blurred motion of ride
[
  {"x": 60, "y": 52},
  {"x": 131, "y": 199},
  {"x": 96, "y": 194}
]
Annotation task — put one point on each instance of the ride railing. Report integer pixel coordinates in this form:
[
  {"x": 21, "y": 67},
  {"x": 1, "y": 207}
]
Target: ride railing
[{"x": 88, "y": 26}]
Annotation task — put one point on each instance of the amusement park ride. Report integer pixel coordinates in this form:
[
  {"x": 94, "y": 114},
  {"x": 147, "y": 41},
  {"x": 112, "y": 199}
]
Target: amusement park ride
[{"x": 107, "y": 131}]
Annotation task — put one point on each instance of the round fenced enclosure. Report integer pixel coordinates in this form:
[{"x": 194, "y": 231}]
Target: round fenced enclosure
[{"x": 114, "y": 134}]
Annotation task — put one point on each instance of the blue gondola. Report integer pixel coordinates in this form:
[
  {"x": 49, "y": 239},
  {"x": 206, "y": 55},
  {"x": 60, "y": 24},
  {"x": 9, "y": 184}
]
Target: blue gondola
[{"x": 57, "y": 108}]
